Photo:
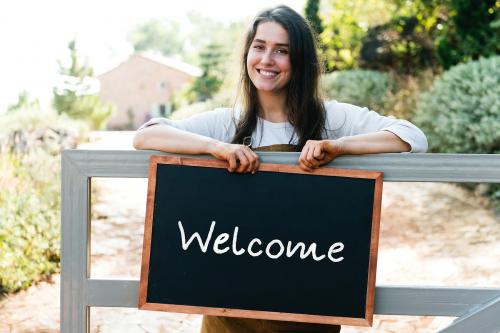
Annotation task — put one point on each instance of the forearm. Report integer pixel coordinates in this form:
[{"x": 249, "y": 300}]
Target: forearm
[
  {"x": 372, "y": 143},
  {"x": 172, "y": 140}
]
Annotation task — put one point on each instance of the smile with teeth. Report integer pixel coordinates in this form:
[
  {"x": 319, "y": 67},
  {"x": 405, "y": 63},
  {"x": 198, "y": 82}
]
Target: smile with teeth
[{"x": 269, "y": 74}]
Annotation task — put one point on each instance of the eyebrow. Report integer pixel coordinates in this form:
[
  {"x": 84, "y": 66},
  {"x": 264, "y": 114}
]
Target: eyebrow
[{"x": 263, "y": 41}]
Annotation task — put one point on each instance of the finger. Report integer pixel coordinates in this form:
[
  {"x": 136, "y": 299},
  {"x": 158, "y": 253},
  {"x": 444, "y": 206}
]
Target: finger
[
  {"x": 243, "y": 161},
  {"x": 303, "y": 154},
  {"x": 305, "y": 167},
  {"x": 251, "y": 160},
  {"x": 318, "y": 154},
  {"x": 303, "y": 162},
  {"x": 232, "y": 163},
  {"x": 313, "y": 163},
  {"x": 256, "y": 162},
  {"x": 310, "y": 153}
]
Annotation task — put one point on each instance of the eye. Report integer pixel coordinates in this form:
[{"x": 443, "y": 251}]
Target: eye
[
  {"x": 258, "y": 47},
  {"x": 282, "y": 51}
]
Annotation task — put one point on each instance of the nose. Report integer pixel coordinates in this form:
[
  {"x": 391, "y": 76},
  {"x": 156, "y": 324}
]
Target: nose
[{"x": 267, "y": 57}]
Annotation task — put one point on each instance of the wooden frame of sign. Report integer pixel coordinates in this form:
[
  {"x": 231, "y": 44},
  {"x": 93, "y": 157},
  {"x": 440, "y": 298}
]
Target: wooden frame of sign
[{"x": 272, "y": 315}]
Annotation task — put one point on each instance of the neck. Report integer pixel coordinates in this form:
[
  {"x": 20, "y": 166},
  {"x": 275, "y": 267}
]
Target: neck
[{"x": 273, "y": 107}]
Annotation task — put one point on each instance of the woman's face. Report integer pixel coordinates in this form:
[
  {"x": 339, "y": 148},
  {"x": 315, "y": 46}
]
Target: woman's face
[{"x": 268, "y": 60}]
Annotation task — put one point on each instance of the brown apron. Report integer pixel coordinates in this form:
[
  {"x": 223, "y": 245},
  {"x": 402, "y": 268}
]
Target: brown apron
[{"x": 212, "y": 324}]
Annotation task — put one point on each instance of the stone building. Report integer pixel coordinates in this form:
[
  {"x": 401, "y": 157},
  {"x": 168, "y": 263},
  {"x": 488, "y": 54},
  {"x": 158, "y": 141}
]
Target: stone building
[{"x": 142, "y": 87}]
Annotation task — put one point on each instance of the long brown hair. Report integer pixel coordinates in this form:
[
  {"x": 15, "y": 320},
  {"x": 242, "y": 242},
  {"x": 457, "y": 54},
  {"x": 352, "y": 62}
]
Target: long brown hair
[{"x": 306, "y": 111}]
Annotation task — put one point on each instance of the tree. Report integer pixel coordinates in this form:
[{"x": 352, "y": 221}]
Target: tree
[
  {"x": 311, "y": 12},
  {"x": 24, "y": 101},
  {"x": 401, "y": 45},
  {"x": 214, "y": 70},
  {"x": 212, "y": 47},
  {"x": 156, "y": 35},
  {"x": 473, "y": 31},
  {"x": 76, "y": 93},
  {"x": 346, "y": 24}
]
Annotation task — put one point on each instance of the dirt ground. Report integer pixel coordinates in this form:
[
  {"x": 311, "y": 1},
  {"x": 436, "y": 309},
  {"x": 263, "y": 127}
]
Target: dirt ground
[{"x": 431, "y": 234}]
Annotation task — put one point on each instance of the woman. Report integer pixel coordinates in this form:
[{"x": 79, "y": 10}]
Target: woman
[{"x": 281, "y": 110}]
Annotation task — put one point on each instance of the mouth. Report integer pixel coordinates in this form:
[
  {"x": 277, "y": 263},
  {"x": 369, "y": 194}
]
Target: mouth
[{"x": 267, "y": 73}]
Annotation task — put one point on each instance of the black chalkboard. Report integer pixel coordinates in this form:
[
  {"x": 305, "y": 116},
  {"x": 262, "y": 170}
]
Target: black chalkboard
[{"x": 275, "y": 210}]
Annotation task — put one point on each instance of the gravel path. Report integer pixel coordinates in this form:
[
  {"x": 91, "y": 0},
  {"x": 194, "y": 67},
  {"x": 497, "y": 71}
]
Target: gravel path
[{"x": 431, "y": 234}]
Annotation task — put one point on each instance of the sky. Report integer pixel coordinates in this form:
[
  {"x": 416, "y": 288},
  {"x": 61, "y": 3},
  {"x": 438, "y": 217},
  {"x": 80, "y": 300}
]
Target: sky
[{"x": 34, "y": 34}]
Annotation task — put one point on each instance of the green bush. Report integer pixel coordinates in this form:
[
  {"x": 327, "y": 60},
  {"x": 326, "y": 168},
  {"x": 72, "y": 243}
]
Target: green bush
[
  {"x": 461, "y": 112},
  {"x": 29, "y": 219},
  {"x": 402, "y": 101},
  {"x": 30, "y": 143},
  {"x": 360, "y": 87}
]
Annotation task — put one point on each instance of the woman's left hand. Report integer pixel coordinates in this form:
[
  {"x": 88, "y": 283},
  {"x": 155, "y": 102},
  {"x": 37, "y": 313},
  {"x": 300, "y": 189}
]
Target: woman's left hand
[{"x": 319, "y": 152}]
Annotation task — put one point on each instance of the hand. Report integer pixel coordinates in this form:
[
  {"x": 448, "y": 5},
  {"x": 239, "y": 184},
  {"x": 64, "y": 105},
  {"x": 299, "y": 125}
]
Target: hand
[
  {"x": 241, "y": 158},
  {"x": 319, "y": 152}
]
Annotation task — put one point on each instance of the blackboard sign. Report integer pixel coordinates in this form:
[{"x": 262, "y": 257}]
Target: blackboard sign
[{"x": 280, "y": 244}]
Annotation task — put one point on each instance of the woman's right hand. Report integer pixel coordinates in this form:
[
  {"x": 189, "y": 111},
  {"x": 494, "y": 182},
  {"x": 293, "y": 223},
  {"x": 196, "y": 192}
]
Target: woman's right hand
[{"x": 240, "y": 158}]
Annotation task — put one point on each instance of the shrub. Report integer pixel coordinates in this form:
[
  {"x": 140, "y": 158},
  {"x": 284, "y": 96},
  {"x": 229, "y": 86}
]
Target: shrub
[
  {"x": 29, "y": 219},
  {"x": 30, "y": 143},
  {"x": 360, "y": 87},
  {"x": 402, "y": 101},
  {"x": 461, "y": 112},
  {"x": 30, "y": 130}
]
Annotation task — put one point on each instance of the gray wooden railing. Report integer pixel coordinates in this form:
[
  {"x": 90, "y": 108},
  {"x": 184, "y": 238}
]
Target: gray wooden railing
[{"x": 477, "y": 309}]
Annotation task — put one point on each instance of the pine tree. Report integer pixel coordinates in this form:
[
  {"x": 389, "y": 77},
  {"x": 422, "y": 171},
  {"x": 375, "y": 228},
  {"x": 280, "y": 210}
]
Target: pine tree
[
  {"x": 311, "y": 11},
  {"x": 213, "y": 59},
  {"x": 76, "y": 94}
]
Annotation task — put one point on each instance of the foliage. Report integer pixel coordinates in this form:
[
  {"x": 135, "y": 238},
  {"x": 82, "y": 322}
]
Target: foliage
[
  {"x": 473, "y": 31},
  {"x": 345, "y": 25},
  {"x": 29, "y": 219},
  {"x": 461, "y": 112},
  {"x": 402, "y": 101},
  {"x": 342, "y": 39},
  {"x": 409, "y": 36},
  {"x": 24, "y": 101},
  {"x": 36, "y": 130},
  {"x": 311, "y": 11},
  {"x": 157, "y": 35},
  {"x": 217, "y": 56},
  {"x": 399, "y": 45},
  {"x": 213, "y": 61},
  {"x": 360, "y": 87},
  {"x": 405, "y": 43},
  {"x": 77, "y": 95},
  {"x": 30, "y": 143}
]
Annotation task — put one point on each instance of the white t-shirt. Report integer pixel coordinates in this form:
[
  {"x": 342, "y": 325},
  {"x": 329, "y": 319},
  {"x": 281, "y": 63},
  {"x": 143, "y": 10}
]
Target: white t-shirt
[{"x": 342, "y": 119}]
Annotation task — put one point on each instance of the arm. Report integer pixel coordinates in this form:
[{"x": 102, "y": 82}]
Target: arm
[
  {"x": 371, "y": 143},
  {"x": 362, "y": 132},
  {"x": 172, "y": 140},
  {"x": 319, "y": 152}
]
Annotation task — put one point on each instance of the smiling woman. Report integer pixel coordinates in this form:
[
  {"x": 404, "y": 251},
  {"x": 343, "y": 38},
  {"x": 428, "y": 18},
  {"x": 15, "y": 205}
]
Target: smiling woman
[
  {"x": 280, "y": 109},
  {"x": 268, "y": 61}
]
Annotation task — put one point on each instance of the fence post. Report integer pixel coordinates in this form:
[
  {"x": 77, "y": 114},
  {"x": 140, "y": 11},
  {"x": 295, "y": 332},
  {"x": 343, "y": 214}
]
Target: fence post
[{"x": 75, "y": 249}]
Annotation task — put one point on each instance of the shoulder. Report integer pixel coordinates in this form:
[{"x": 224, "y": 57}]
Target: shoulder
[
  {"x": 335, "y": 108},
  {"x": 219, "y": 113},
  {"x": 337, "y": 114},
  {"x": 218, "y": 117},
  {"x": 224, "y": 116}
]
